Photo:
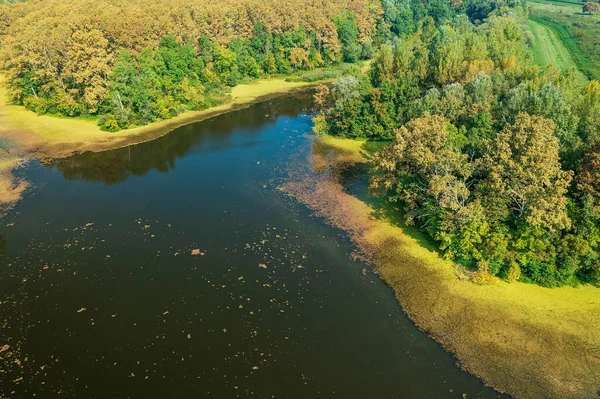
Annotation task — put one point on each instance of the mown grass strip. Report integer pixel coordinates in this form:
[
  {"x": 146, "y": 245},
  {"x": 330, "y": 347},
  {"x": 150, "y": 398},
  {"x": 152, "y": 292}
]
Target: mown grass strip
[
  {"x": 548, "y": 49},
  {"x": 583, "y": 63},
  {"x": 567, "y": 3}
]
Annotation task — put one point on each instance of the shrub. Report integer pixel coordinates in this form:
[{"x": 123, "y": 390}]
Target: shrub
[
  {"x": 320, "y": 125},
  {"x": 36, "y": 104},
  {"x": 66, "y": 105},
  {"x": 108, "y": 123},
  {"x": 514, "y": 272}
]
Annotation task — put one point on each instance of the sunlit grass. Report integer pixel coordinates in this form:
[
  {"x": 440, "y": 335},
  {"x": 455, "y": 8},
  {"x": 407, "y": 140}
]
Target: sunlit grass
[
  {"x": 548, "y": 49},
  {"x": 577, "y": 31}
]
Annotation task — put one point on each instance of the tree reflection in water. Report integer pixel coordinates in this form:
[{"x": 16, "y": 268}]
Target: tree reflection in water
[{"x": 161, "y": 154}]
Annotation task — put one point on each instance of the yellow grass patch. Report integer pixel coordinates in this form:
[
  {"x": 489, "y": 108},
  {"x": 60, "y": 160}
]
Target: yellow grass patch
[{"x": 529, "y": 341}]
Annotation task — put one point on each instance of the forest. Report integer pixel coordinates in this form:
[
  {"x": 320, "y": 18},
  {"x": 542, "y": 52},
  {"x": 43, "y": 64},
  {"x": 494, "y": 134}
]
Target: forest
[
  {"x": 130, "y": 64},
  {"x": 495, "y": 159},
  {"x": 136, "y": 62}
]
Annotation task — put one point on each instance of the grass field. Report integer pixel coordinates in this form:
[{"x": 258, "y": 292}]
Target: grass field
[
  {"x": 527, "y": 340},
  {"x": 548, "y": 49},
  {"x": 553, "y": 22}
]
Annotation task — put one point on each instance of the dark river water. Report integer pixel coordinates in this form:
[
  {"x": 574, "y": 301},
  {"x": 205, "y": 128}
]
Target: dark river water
[{"x": 178, "y": 269}]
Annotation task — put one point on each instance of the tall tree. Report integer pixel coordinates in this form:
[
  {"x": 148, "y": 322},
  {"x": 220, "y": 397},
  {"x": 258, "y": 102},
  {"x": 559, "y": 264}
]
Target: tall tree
[{"x": 524, "y": 178}]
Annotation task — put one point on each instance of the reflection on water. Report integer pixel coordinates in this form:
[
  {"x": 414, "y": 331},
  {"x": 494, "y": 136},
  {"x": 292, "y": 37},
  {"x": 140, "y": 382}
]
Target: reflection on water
[
  {"x": 2, "y": 245},
  {"x": 209, "y": 136},
  {"x": 178, "y": 269}
]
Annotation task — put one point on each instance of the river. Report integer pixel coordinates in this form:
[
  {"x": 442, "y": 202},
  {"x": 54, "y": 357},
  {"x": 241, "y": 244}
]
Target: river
[{"x": 177, "y": 268}]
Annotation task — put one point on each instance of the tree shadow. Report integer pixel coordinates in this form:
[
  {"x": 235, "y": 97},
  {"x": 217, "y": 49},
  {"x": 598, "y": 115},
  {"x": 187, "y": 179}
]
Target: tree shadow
[{"x": 162, "y": 154}]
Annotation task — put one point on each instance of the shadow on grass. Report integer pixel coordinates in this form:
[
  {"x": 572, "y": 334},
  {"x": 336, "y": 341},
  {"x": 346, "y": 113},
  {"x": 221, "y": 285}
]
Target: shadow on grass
[{"x": 354, "y": 178}]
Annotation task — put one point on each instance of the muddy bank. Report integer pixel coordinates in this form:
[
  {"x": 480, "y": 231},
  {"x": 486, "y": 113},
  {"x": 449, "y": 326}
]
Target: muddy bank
[
  {"x": 526, "y": 340},
  {"x": 11, "y": 188}
]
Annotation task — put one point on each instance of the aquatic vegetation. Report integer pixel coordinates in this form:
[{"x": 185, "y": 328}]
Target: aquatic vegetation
[{"x": 494, "y": 330}]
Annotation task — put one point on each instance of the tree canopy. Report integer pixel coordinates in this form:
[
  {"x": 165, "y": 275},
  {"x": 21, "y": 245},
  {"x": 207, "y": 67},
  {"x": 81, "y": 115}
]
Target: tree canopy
[
  {"x": 137, "y": 61},
  {"x": 496, "y": 159}
]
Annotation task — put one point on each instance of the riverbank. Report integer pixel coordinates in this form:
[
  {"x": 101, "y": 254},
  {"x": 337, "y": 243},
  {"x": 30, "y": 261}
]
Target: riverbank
[
  {"x": 47, "y": 136},
  {"x": 26, "y": 134},
  {"x": 11, "y": 188},
  {"x": 523, "y": 339}
]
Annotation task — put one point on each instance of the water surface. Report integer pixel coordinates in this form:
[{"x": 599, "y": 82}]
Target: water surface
[{"x": 178, "y": 269}]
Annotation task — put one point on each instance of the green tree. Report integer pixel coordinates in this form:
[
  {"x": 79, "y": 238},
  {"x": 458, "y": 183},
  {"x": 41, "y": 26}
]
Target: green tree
[
  {"x": 347, "y": 30},
  {"x": 423, "y": 169},
  {"x": 447, "y": 55},
  {"x": 524, "y": 178},
  {"x": 398, "y": 15}
]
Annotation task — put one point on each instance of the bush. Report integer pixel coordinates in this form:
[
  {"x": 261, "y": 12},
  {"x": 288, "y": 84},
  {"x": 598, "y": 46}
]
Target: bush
[
  {"x": 66, "y": 105},
  {"x": 36, "y": 104},
  {"x": 367, "y": 50},
  {"x": 320, "y": 127},
  {"x": 514, "y": 272},
  {"x": 108, "y": 123}
]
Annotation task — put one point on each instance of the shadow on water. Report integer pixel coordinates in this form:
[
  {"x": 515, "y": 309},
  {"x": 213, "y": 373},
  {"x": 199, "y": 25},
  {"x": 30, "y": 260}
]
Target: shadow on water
[
  {"x": 2, "y": 246},
  {"x": 213, "y": 135}
]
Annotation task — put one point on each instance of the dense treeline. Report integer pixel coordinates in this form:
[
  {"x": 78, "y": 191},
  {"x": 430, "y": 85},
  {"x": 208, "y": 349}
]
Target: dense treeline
[
  {"x": 497, "y": 160},
  {"x": 136, "y": 61}
]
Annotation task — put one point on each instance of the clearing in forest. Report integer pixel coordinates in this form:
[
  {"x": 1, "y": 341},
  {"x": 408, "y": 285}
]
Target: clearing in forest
[
  {"x": 566, "y": 24},
  {"x": 548, "y": 49}
]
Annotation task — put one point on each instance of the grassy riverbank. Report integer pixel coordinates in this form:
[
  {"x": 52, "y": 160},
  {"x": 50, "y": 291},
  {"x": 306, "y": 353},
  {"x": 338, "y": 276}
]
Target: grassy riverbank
[
  {"x": 48, "y": 136},
  {"x": 529, "y": 341},
  {"x": 24, "y": 133}
]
